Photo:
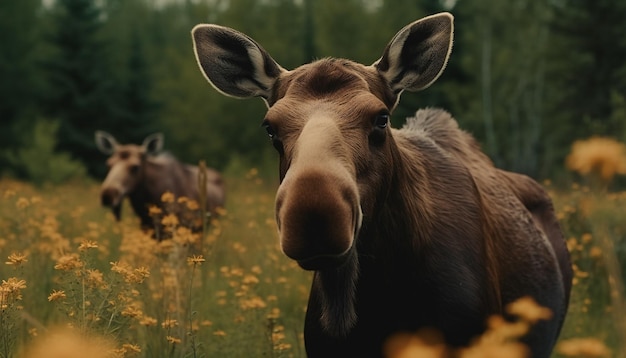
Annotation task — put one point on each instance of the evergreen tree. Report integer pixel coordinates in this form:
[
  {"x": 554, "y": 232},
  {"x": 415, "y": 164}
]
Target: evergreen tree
[
  {"x": 81, "y": 93},
  {"x": 20, "y": 84},
  {"x": 587, "y": 64}
]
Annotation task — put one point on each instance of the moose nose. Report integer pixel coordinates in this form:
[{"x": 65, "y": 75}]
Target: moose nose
[
  {"x": 109, "y": 196},
  {"x": 318, "y": 215}
]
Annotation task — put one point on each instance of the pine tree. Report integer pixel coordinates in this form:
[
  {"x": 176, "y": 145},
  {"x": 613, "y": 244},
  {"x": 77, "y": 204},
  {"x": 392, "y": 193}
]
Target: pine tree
[{"x": 81, "y": 93}]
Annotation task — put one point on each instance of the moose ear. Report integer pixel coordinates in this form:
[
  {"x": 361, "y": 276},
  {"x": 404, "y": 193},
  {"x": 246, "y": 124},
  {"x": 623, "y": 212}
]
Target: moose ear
[
  {"x": 234, "y": 63},
  {"x": 105, "y": 142},
  {"x": 417, "y": 54},
  {"x": 153, "y": 143}
]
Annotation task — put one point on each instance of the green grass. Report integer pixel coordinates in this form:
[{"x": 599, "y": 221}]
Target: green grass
[{"x": 246, "y": 299}]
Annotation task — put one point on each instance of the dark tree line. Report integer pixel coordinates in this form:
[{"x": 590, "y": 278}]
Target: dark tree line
[{"x": 526, "y": 77}]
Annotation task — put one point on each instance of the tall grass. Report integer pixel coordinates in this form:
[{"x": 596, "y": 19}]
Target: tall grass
[{"x": 229, "y": 292}]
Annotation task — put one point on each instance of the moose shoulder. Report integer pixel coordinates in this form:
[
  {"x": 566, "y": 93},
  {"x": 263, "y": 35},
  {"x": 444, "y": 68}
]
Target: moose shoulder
[
  {"x": 404, "y": 228},
  {"x": 143, "y": 174}
]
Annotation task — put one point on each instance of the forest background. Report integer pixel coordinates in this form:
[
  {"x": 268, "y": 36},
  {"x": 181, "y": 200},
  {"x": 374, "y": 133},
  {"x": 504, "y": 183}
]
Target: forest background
[{"x": 526, "y": 77}]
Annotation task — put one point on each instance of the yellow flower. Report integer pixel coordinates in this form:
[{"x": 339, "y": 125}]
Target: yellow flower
[
  {"x": 169, "y": 323},
  {"x": 87, "y": 244},
  {"x": 131, "y": 311},
  {"x": 253, "y": 302},
  {"x": 141, "y": 274},
  {"x": 148, "y": 321},
  {"x": 9, "y": 193},
  {"x": 13, "y": 284},
  {"x": 68, "y": 262},
  {"x": 22, "y": 203},
  {"x": 195, "y": 259},
  {"x": 56, "y": 295},
  {"x": 219, "y": 333},
  {"x": 131, "y": 348},
  {"x": 167, "y": 197},
  {"x": 16, "y": 259},
  {"x": 169, "y": 220},
  {"x": 250, "y": 279},
  {"x": 154, "y": 210},
  {"x": 95, "y": 278},
  {"x": 603, "y": 156},
  {"x": 584, "y": 347},
  {"x": 274, "y": 313},
  {"x": 173, "y": 340},
  {"x": 192, "y": 205},
  {"x": 529, "y": 310}
]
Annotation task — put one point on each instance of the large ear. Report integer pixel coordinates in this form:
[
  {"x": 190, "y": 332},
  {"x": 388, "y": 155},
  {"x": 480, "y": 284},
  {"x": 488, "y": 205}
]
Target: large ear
[
  {"x": 234, "y": 63},
  {"x": 418, "y": 53},
  {"x": 153, "y": 143},
  {"x": 105, "y": 142}
]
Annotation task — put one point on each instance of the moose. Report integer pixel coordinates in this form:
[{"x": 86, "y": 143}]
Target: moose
[
  {"x": 143, "y": 173},
  {"x": 403, "y": 228}
]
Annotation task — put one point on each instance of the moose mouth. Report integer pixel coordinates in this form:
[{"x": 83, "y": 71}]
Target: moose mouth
[
  {"x": 111, "y": 198},
  {"x": 325, "y": 262}
]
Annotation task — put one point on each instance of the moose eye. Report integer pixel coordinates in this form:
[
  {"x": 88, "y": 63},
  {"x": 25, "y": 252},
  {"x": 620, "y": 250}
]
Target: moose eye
[
  {"x": 381, "y": 120},
  {"x": 268, "y": 128}
]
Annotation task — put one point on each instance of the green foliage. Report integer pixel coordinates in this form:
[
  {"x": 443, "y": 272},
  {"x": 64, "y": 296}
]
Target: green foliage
[{"x": 39, "y": 162}]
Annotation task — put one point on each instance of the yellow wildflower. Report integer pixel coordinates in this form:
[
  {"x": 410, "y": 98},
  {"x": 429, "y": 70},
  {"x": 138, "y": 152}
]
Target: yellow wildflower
[
  {"x": 603, "y": 156},
  {"x": 131, "y": 311},
  {"x": 148, "y": 321},
  {"x": 9, "y": 193},
  {"x": 131, "y": 348},
  {"x": 141, "y": 273},
  {"x": 68, "y": 262},
  {"x": 169, "y": 323},
  {"x": 195, "y": 259},
  {"x": 173, "y": 340},
  {"x": 22, "y": 203},
  {"x": 167, "y": 197},
  {"x": 16, "y": 259},
  {"x": 154, "y": 210},
  {"x": 586, "y": 347},
  {"x": 87, "y": 244},
  {"x": 95, "y": 278},
  {"x": 250, "y": 279},
  {"x": 56, "y": 295},
  {"x": 192, "y": 205},
  {"x": 529, "y": 310},
  {"x": 274, "y": 313},
  {"x": 253, "y": 302},
  {"x": 13, "y": 284},
  {"x": 219, "y": 333},
  {"x": 169, "y": 220}
]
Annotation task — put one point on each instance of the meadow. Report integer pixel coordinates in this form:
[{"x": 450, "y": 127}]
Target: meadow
[{"x": 75, "y": 280}]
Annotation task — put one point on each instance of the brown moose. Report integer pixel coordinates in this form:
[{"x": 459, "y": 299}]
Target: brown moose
[
  {"x": 143, "y": 174},
  {"x": 404, "y": 228}
]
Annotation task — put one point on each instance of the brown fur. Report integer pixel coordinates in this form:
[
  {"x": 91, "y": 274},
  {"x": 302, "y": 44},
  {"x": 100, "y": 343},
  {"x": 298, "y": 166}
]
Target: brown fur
[
  {"x": 407, "y": 228},
  {"x": 144, "y": 177}
]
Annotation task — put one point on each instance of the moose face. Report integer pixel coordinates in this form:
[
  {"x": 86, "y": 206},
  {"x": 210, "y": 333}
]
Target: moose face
[
  {"x": 126, "y": 167},
  {"x": 331, "y": 156}
]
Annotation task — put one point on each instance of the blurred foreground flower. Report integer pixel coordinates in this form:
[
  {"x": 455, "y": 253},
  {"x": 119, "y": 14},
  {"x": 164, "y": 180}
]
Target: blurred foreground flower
[
  {"x": 601, "y": 156},
  {"x": 501, "y": 339},
  {"x": 68, "y": 343},
  {"x": 583, "y": 347}
]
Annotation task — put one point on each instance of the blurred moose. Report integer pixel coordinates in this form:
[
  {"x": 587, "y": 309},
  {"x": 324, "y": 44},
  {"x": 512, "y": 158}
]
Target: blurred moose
[{"x": 143, "y": 174}]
